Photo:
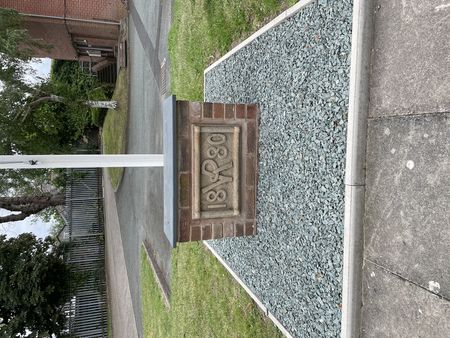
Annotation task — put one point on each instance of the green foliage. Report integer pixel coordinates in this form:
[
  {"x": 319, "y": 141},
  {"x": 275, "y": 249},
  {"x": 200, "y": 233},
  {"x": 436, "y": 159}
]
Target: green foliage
[
  {"x": 50, "y": 127},
  {"x": 12, "y": 35},
  {"x": 68, "y": 80},
  {"x": 16, "y": 48},
  {"x": 37, "y": 182},
  {"x": 32, "y": 182},
  {"x": 14, "y": 39},
  {"x": 58, "y": 223},
  {"x": 23, "y": 182},
  {"x": 34, "y": 286},
  {"x": 31, "y": 119}
]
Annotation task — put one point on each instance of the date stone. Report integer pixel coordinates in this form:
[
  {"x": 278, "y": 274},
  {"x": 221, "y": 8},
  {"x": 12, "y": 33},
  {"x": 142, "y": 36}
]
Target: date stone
[{"x": 215, "y": 171}]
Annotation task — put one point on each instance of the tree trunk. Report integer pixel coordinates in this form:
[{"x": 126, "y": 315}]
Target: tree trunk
[
  {"x": 14, "y": 217},
  {"x": 55, "y": 98},
  {"x": 101, "y": 104},
  {"x": 28, "y": 205},
  {"x": 89, "y": 103}
]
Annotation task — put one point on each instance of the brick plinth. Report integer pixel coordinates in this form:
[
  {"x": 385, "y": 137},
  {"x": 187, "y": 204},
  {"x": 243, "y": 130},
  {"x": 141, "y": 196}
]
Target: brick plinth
[{"x": 197, "y": 114}]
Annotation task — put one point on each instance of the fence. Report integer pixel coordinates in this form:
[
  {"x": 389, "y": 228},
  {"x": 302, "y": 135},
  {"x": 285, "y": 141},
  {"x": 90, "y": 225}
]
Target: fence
[{"x": 87, "y": 313}]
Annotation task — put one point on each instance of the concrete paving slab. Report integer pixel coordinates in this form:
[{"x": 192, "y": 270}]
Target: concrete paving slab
[
  {"x": 406, "y": 289},
  {"x": 410, "y": 57},
  {"x": 407, "y": 197},
  {"x": 394, "y": 307}
]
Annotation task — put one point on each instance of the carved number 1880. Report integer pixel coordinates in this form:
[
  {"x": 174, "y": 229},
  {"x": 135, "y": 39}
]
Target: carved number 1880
[{"x": 210, "y": 168}]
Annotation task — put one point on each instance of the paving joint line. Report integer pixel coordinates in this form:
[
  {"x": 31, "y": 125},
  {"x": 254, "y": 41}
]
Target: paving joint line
[
  {"x": 406, "y": 279},
  {"x": 374, "y": 118}
]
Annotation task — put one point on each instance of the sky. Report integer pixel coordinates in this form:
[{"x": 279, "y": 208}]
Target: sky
[
  {"x": 30, "y": 224},
  {"x": 41, "y": 67}
]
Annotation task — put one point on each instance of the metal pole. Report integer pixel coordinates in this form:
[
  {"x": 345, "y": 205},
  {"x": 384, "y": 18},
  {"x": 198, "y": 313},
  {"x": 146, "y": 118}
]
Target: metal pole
[
  {"x": 102, "y": 22},
  {"x": 80, "y": 161}
]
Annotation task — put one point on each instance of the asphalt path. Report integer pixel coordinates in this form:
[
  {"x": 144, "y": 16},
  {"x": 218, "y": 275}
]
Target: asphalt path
[{"x": 139, "y": 198}]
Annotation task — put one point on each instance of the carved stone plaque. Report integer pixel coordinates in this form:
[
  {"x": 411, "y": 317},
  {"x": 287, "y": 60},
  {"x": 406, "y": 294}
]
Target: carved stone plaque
[{"x": 215, "y": 171}]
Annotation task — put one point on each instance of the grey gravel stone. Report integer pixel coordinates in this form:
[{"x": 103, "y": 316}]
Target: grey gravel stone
[{"x": 298, "y": 72}]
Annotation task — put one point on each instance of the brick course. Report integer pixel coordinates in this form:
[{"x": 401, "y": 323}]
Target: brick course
[
  {"x": 109, "y": 10},
  {"x": 196, "y": 113}
]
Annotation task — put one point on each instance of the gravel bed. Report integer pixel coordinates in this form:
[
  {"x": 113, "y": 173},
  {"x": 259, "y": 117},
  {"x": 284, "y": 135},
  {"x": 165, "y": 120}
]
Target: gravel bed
[{"x": 298, "y": 72}]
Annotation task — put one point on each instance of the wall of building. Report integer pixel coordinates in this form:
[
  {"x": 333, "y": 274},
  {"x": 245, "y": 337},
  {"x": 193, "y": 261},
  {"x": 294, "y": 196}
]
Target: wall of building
[
  {"x": 109, "y": 10},
  {"x": 70, "y": 39},
  {"x": 55, "y": 35}
]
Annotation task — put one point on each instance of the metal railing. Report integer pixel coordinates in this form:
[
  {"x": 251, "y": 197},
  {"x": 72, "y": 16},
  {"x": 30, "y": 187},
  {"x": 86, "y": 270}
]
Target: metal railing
[{"x": 87, "y": 312}]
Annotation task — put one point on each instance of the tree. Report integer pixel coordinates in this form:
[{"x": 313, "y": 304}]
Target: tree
[
  {"x": 25, "y": 206},
  {"x": 16, "y": 48},
  {"x": 34, "y": 286},
  {"x": 49, "y": 116},
  {"x": 27, "y": 191}
]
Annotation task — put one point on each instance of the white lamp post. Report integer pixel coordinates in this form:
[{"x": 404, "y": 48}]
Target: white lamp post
[{"x": 80, "y": 161}]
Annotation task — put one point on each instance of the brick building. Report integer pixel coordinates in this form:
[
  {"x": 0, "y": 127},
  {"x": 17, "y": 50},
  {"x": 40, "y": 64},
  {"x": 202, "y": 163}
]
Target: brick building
[{"x": 83, "y": 30}]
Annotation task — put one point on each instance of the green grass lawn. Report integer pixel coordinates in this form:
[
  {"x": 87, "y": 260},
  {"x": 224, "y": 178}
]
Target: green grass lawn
[
  {"x": 115, "y": 127},
  {"x": 203, "y": 30},
  {"x": 205, "y": 300}
]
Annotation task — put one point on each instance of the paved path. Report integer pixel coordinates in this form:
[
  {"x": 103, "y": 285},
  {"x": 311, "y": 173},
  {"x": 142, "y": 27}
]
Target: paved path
[
  {"x": 119, "y": 297},
  {"x": 139, "y": 199},
  {"x": 406, "y": 273}
]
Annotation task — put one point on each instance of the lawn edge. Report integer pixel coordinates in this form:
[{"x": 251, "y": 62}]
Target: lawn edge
[
  {"x": 157, "y": 273},
  {"x": 275, "y": 22},
  {"x": 258, "y": 302}
]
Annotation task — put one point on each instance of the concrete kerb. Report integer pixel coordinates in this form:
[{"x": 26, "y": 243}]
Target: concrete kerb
[
  {"x": 355, "y": 168},
  {"x": 263, "y": 308}
]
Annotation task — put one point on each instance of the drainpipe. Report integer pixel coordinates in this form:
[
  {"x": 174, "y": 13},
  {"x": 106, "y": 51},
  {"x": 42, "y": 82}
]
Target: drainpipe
[{"x": 102, "y": 22}]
